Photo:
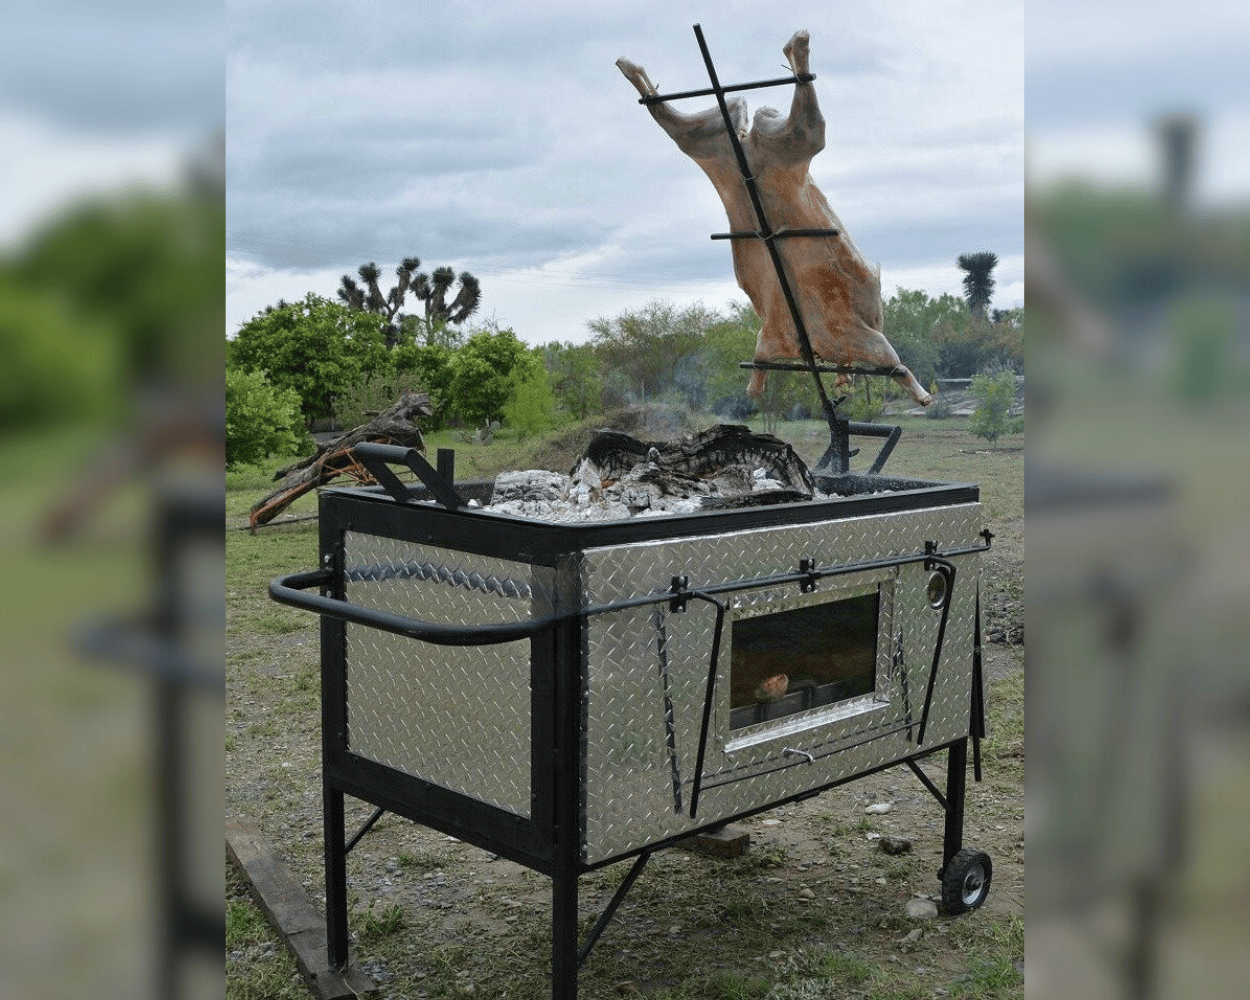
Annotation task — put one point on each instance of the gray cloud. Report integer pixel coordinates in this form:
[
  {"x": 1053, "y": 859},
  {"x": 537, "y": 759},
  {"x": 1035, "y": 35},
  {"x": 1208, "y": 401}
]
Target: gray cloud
[
  {"x": 129, "y": 67},
  {"x": 503, "y": 136},
  {"x": 1124, "y": 88}
]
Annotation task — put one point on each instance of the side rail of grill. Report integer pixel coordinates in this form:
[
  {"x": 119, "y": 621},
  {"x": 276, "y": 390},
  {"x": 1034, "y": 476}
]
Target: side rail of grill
[{"x": 293, "y": 589}]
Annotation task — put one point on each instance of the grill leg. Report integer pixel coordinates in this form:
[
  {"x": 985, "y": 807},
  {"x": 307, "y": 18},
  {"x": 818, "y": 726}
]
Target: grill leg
[
  {"x": 564, "y": 937},
  {"x": 956, "y": 783},
  {"x": 336, "y": 878}
]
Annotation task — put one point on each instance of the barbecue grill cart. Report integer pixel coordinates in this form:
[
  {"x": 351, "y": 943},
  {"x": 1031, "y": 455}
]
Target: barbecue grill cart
[{"x": 571, "y": 695}]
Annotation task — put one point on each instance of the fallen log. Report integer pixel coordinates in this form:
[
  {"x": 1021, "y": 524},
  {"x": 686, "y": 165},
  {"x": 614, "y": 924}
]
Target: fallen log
[{"x": 394, "y": 425}]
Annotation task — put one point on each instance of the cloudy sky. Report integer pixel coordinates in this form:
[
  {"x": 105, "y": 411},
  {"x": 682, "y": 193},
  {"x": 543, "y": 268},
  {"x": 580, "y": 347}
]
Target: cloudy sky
[
  {"x": 97, "y": 95},
  {"x": 501, "y": 138},
  {"x": 1099, "y": 74}
]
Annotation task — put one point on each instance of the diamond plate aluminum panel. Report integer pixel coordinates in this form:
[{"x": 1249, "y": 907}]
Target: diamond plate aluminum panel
[
  {"x": 647, "y": 672},
  {"x": 457, "y": 717}
]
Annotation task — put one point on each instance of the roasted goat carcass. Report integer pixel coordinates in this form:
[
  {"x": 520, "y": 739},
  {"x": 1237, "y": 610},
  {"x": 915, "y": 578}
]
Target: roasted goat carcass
[{"x": 838, "y": 292}]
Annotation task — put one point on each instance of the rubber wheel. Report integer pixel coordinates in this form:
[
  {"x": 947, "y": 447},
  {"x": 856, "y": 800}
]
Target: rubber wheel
[{"x": 966, "y": 881}]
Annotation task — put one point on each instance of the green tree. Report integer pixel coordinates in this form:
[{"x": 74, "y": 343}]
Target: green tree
[
  {"x": 261, "y": 420},
  {"x": 57, "y": 364},
  {"x": 575, "y": 377},
  {"x": 995, "y": 391},
  {"x": 978, "y": 271},
  {"x": 480, "y": 374},
  {"x": 429, "y": 368},
  {"x": 531, "y": 408},
  {"x": 1204, "y": 329},
  {"x": 725, "y": 345},
  {"x": 864, "y": 400},
  {"x": 964, "y": 348},
  {"x": 315, "y": 347},
  {"x": 653, "y": 350},
  {"x": 913, "y": 322},
  {"x": 431, "y": 289},
  {"x": 1006, "y": 338},
  {"x": 364, "y": 400},
  {"x": 421, "y": 331},
  {"x": 144, "y": 263}
]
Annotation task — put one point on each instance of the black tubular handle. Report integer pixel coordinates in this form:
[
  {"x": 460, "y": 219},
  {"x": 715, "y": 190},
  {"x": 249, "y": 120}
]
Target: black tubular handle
[
  {"x": 291, "y": 590},
  {"x": 376, "y": 457}
]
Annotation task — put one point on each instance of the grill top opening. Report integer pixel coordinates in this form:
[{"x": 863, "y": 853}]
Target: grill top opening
[{"x": 725, "y": 468}]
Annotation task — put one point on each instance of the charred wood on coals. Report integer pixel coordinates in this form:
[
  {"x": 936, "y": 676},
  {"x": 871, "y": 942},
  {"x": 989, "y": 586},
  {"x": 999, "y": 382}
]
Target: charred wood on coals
[{"x": 705, "y": 455}]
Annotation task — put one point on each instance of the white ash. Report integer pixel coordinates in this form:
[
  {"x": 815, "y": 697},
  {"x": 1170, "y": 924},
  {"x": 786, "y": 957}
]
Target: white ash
[{"x": 645, "y": 491}]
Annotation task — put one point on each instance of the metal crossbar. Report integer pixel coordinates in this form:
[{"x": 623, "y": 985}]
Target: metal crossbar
[
  {"x": 753, "y": 234},
  {"x": 657, "y": 98},
  {"x": 785, "y": 366}
]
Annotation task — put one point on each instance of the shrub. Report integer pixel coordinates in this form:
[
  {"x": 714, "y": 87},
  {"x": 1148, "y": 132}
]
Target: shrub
[
  {"x": 261, "y": 420},
  {"x": 57, "y": 364},
  {"x": 531, "y": 408},
  {"x": 1204, "y": 333},
  {"x": 994, "y": 389},
  {"x": 428, "y": 368},
  {"x": 361, "y": 402},
  {"x": 480, "y": 374},
  {"x": 939, "y": 409},
  {"x": 862, "y": 403},
  {"x": 316, "y": 347}
]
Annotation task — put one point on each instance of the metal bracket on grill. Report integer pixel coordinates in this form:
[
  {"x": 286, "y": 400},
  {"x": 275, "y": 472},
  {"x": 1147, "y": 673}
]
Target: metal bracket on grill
[
  {"x": 977, "y": 706},
  {"x": 927, "y": 782},
  {"x": 681, "y": 595},
  {"x": 836, "y": 458},
  {"x": 670, "y": 727},
  {"x": 808, "y": 568},
  {"x": 947, "y": 569},
  {"x": 376, "y": 458},
  {"x": 721, "y": 608},
  {"x": 608, "y": 911}
]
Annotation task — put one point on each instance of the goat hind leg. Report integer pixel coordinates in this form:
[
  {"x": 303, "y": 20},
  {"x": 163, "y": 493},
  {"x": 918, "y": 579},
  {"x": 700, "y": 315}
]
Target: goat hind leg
[
  {"x": 903, "y": 376},
  {"x": 872, "y": 348}
]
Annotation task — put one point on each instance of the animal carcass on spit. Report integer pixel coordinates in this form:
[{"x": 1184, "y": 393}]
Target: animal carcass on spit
[{"x": 838, "y": 292}]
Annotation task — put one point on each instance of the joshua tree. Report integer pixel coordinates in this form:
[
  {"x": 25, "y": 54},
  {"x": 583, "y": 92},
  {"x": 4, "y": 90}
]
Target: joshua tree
[
  {"x": 978, "y": 279},
  {"x": 430, "y": 289},
  {"x": 433, "y": 291}
]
